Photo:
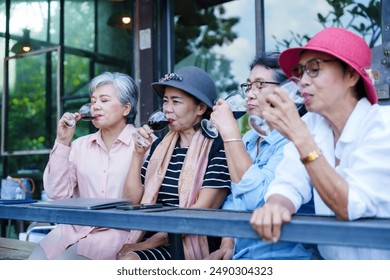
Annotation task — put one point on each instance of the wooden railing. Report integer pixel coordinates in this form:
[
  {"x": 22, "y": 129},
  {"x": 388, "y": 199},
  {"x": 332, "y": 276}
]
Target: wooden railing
[{"x": 373, "y": 233}]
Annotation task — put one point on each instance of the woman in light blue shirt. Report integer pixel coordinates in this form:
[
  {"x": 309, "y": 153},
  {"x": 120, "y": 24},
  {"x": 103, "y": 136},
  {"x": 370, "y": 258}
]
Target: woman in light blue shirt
[{"x": 252, "y": 162}]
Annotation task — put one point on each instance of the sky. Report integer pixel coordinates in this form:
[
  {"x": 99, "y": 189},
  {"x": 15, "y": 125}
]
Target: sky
[
  {"x": 278, "y": 15},
  {"x": 243, "y": 49},
  {"x": 281, "y": 17}
]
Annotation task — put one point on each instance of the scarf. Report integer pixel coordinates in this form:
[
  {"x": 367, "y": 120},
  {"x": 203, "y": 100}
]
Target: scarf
[{"x": 190, "y": 182}]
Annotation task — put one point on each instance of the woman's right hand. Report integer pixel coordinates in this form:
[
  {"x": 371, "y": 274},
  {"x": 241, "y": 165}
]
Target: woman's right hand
[
  {"x": 143, "y": 139},
  {"x": 64, "y": 131},
  {"x": 222, "y": 118},
  {"x": 283, "y": 115}
]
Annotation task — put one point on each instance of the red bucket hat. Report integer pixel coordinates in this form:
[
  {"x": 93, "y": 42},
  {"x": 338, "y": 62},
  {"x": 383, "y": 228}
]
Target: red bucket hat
[{"x": 341, "y": 44}]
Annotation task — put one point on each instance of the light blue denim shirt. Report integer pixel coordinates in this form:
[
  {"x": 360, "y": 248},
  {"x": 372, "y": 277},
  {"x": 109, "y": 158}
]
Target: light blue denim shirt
[{"x": 248, "y": 194}]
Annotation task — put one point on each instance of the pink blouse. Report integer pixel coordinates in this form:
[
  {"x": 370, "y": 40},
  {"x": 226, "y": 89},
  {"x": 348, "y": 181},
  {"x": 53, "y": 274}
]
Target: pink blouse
[{"x": 88, "y": 169}]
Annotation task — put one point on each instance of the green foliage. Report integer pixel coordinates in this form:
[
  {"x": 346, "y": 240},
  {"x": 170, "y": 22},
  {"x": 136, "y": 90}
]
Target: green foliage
[
  {"x": 27, "y": 106},
  {"x": 197, "y": 32},
  {"x": 32, "y": 120},
  {"x": 365, "y": 20}
]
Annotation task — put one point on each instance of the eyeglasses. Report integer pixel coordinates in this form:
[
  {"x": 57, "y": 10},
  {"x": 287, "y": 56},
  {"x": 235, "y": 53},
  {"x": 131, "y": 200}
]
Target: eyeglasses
[
  {"x": 311, "y": 68},
  {"x": 258, "y": 85}
]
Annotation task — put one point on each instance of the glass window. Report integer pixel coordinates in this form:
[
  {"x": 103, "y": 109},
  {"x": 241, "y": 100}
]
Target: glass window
[
  {"x": 2, "y": 49},
  {"x": 217, "y": 38},
  {"x": 2, "y": 42},
  {"x": 28, "y": 19},
  {"x": 91, "y": 46},
  {"x": 115, "y": 29},
  {"x": 100, "y": 68},
  {"x": 77, "y": 76},
  {"x": 54, "y": 25},
  {"x": 2, "y": 16},
  {"x": 29, "y": 103},
  {"x": 80, "y": 24}
]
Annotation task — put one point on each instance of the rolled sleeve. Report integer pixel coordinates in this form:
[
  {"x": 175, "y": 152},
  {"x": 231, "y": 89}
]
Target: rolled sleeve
[
  {"x": 248, "y": 193},
  {"x": 56, "y": 174},
  {"x": 291, "y": 179}
]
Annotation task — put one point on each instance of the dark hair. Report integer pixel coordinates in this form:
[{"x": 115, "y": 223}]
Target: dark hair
[
  {"x": 269, "y": 60},
  {"x": 359, "y": 87}
]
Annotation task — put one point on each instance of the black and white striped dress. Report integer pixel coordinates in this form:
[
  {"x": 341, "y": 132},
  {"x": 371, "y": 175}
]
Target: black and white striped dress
[{"x": 217, "y": 176}]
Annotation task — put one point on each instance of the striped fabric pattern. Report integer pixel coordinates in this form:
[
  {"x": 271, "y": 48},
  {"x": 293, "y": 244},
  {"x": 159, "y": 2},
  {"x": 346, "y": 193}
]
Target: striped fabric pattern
[{"x": 217, "y": 175}]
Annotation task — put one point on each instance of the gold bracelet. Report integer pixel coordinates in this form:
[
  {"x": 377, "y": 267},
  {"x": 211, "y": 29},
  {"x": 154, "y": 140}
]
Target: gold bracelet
[
  {"x": 232, "y": 140},
  {"x": 312, "y": 156}
]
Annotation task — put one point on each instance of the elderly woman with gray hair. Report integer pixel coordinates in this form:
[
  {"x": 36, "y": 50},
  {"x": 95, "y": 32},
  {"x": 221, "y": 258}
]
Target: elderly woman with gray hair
[{"x": 92, "y": 166}]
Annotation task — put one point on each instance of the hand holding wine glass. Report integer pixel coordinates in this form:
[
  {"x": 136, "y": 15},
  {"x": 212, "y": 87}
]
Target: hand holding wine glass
[
  {"x": 291, "y": 87},
  {"x": 237, "y": 103},
  {"x": 85, "y": 114},
  {"x": 157, "y": 121}
]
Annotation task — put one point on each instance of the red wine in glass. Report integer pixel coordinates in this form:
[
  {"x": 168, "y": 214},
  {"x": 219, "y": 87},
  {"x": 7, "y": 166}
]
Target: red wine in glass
[
  {"x": 238, "y": 114},
  {"x": 158, "y": 121},
  {"x": 85, "y": 113}
]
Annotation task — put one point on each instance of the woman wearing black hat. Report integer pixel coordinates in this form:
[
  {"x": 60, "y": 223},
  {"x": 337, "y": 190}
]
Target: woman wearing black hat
[
  {"x": 184, "y": 168},
  {"x": 339, "y": 151}
]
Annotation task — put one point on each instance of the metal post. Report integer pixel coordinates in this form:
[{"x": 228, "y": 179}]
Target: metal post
[
  {"x": 381, "y": 58},
  {"x": 260, "y": 29}
]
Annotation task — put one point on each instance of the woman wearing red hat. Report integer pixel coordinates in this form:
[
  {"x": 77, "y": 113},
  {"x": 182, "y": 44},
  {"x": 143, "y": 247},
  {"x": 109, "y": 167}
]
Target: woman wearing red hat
[{"x": 339, "y": 151}]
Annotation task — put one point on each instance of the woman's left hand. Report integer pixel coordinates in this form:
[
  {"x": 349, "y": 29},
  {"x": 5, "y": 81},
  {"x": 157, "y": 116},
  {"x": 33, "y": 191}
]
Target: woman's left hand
[{"x": 267, "y": 221}]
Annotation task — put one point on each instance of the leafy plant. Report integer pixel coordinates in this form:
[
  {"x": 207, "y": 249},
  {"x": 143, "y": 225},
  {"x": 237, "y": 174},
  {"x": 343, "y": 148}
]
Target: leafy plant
[{"x": 365, "y": 20}]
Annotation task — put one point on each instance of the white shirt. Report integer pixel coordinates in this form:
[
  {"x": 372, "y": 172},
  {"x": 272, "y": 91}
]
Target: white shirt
[{"x": 364, "y": 153}]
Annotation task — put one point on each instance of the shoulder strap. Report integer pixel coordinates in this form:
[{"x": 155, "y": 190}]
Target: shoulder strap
[{"x": 20, "y": 182}]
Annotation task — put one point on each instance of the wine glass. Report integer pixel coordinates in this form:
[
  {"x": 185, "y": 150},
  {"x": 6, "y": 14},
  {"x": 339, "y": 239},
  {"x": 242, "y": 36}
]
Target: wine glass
[
  {"x": 292, "y": 88},
  {"x": 157, "y": 121},
  {"x": 237, "y": 103},
  {"x": 85, "y": 113}
]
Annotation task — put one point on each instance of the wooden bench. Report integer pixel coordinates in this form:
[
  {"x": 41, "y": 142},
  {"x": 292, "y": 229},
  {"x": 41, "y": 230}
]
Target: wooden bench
[{"x": 14, "y": 249}]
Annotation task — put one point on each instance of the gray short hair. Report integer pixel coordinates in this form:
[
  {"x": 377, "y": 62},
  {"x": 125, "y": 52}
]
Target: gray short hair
[{"x": 127, "y": 90}]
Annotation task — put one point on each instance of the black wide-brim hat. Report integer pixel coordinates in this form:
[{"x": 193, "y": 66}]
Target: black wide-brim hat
[{"x": 192, "y": 80}]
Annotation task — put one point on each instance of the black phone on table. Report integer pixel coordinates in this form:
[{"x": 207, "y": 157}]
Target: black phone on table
[{"x": 139, "y": 206}]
